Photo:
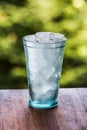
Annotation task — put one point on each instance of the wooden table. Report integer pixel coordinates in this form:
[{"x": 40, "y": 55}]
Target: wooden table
[{"x": 71, "y": 114}]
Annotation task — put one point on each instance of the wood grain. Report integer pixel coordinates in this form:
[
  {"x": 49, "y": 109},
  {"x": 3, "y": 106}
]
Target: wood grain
[{"x": 71, "y": 114}]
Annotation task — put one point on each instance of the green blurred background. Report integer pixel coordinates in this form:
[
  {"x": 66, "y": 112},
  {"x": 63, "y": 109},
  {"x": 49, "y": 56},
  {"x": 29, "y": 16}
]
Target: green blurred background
[{"x": 20, "y": 18}]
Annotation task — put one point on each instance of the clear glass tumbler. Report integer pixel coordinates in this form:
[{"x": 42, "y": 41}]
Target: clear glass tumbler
[{"x": 44, "y": 57}]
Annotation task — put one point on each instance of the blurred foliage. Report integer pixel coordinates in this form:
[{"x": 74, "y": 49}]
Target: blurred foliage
[{"x": 19, "y": 18}]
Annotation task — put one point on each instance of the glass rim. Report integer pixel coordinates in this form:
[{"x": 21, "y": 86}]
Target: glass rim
[
  {"x": 30, "y": 42},
  {"x": 25, "y": 39}
]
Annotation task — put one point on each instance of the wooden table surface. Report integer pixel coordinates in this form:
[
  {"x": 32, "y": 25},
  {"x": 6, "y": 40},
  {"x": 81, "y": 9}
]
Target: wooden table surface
[{"x": 71, "y": 114}]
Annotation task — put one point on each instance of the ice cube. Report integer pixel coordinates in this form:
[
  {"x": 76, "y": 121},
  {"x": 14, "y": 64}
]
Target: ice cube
[
  {"x": 48, "y": 97},
  {"x": 38, "y": 90},
  {"x": 54, "y": 56},
  {"x": 43, "y": 95},
  {"x": 44, "y": 37},
  {"x": 47, "y": 72},
  {"x": 33, "y": 68},
  {"x": 45, "y": 88},
  {"x": 58, "y": 37},
  {"x": 35, "y": 77},
  {"x": 35, "y": 90},
  {"x": 36, "y": 59},
  {"x": 49, "y": 37},
  {"x": 53, "y": 83},
  {"x": 51, "y": 56}
]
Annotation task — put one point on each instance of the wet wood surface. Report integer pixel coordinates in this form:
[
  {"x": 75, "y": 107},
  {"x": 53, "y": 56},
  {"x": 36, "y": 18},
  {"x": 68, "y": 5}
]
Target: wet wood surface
[{"x": 71, "y": 114}]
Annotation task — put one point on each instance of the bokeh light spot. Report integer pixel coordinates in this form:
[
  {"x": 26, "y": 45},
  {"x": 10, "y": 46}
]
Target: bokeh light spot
[
  {"x": 78, "y": 3},
  {"x": 82, "y": 51}
]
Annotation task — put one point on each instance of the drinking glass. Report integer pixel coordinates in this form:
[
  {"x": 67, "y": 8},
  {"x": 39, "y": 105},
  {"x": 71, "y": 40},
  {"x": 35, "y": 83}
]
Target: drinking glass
[{"x": 44, "y": 57}]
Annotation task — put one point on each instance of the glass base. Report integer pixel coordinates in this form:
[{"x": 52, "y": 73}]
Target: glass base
[{"x": 43, "y": 106}]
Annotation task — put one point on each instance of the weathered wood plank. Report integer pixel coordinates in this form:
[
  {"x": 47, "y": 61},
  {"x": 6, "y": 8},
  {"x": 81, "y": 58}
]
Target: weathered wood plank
[{"x": 71, "y": 114}]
